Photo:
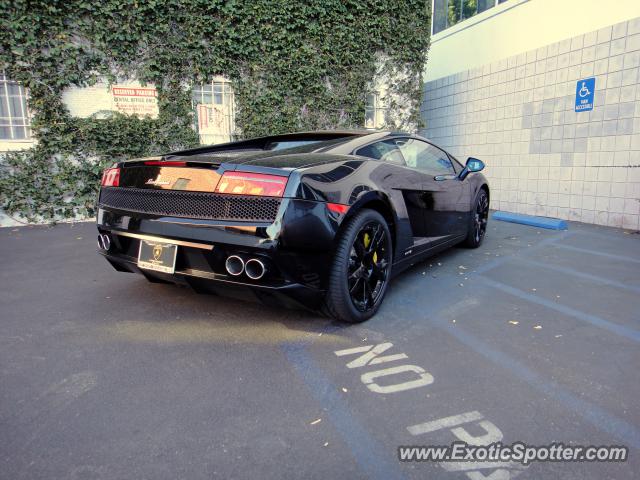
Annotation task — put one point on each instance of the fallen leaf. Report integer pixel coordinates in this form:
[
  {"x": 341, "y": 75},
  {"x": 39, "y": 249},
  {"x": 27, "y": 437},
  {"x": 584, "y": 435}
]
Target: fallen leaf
[{"x": 316, "y": 421}]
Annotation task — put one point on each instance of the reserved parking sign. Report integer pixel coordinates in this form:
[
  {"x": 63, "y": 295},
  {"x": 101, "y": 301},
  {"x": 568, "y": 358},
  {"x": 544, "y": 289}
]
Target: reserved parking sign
[{"x": 584, "y": 94}]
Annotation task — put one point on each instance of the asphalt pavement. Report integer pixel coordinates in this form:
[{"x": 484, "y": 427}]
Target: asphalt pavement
[{"x": 532, "y": 338}]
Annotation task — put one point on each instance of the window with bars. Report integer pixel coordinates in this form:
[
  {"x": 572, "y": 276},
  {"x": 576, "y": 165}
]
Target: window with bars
[
  {"x": 14, "y": 115},
  {"x": 215, "y": 111},
  {"x": 373, "y": 111}
]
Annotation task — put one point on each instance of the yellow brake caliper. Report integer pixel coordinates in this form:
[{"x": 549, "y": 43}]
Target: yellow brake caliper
[{"x": 367, "y": 241}]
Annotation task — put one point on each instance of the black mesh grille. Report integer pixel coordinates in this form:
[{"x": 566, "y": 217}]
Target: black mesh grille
[{"x": 176, "y": 203}]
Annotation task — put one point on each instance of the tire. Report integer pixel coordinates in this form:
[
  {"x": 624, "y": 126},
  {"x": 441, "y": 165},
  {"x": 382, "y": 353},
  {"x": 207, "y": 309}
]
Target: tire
[
  {"x": 478, "y": 220},
  {"x": 361, "y": 271}
]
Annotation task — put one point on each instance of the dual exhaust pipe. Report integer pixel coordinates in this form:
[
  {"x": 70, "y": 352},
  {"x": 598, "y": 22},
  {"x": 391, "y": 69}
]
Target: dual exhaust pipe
[
  {"x": 104, "y": 241},
  {"x": 254, "y": 269}
]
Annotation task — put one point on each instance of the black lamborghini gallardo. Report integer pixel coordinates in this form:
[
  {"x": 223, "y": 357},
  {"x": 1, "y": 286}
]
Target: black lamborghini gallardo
[{"x": 319, "y": 219}]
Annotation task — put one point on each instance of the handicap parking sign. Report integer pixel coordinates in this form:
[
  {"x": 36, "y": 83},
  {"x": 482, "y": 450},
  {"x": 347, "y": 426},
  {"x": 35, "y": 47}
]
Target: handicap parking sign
[{"x": 584, "y": 94}]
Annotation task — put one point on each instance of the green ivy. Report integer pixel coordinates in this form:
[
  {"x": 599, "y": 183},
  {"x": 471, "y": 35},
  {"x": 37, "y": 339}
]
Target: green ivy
[{"x": 293, "y": 65}]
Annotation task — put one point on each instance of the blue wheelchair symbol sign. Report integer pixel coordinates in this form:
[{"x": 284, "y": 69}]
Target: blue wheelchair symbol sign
[{"x": 584, "y": 94}]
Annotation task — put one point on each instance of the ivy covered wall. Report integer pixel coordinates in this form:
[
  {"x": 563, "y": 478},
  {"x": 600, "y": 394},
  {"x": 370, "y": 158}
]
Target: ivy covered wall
[{"x": 293, "y": 65}]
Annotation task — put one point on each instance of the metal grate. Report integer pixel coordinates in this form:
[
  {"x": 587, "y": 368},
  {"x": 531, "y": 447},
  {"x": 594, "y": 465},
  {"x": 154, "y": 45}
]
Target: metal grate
[{"x": 176, "y": 203}]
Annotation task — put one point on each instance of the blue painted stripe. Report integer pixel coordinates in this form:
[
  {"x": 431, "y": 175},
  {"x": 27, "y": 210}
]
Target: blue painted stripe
[
  {"x": 579, "y": 274},
  {"x": 371, "y": 457},
  {"x": 542, "y": 222},
  {"x": 507, "y": 258},
  {"x": 616, "y": 328},
  {"x": 598, "y": 253},
  {"x": 598, "y": 417}
]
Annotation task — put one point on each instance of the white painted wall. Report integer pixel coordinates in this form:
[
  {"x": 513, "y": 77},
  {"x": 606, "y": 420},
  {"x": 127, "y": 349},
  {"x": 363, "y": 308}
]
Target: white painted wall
[{"x": 518, "y": 26}]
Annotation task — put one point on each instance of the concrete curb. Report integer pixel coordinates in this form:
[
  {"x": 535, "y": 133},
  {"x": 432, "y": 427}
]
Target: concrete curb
[{"x": 541, "y": 222}]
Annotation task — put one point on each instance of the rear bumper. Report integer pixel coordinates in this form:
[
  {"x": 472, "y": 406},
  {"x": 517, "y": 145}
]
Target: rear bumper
[
  {"x": 201, "y": 281},
  {"x": 297, "y": 249}
]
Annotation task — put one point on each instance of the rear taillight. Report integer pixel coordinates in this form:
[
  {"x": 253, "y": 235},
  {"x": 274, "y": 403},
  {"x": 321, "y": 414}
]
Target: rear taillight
[
  {"x": 111, "y": 177},
  {"x": 245, "y": 183}
]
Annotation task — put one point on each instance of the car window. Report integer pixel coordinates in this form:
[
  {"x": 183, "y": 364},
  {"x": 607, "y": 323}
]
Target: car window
[
  {"x": 283, "y": 145},
  {"x": 387, "y": 151},
  {"x": 456, "y": 164},
  {"x": 424, "y": 156}
]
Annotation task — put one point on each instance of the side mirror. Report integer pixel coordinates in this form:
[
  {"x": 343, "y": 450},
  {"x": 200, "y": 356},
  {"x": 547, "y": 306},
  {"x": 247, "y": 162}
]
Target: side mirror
[{"x": 473, "y": 165}]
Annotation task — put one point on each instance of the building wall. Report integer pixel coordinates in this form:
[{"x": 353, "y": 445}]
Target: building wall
[
  {"x": 517, "y": 26},
  {"x": 543, "y": 158}
]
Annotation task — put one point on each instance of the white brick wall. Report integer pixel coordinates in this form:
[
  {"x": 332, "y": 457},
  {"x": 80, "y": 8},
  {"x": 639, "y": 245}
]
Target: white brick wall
[{"x": 543, "y": 158}]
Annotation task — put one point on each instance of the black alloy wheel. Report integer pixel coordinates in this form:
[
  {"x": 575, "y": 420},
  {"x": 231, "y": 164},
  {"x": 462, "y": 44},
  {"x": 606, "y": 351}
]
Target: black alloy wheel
[
  {"x": 479, "y": 220},
  {"x": 361, "y": 269},
  {"x": 368, "y": 266}
]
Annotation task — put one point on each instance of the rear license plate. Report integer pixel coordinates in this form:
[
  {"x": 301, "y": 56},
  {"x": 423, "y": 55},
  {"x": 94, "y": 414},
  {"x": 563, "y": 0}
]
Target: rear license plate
[{"x": 157, "y": 256}]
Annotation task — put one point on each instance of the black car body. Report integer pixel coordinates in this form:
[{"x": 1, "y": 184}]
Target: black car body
[{"x": 285, "y": 201}]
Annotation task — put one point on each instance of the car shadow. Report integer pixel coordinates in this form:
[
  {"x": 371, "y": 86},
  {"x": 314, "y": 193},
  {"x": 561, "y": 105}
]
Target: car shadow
[{"x": 206, "y": 318}]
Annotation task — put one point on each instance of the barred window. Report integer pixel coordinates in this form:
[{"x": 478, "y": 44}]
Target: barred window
[
  {"x": 14, "y": 116},
  {"x": 215, "y": 111},
  {"x": 374, "y": 111}
]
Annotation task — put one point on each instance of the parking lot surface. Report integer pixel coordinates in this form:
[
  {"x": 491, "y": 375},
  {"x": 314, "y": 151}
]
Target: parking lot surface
[{"x": 532, "y": 338}]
